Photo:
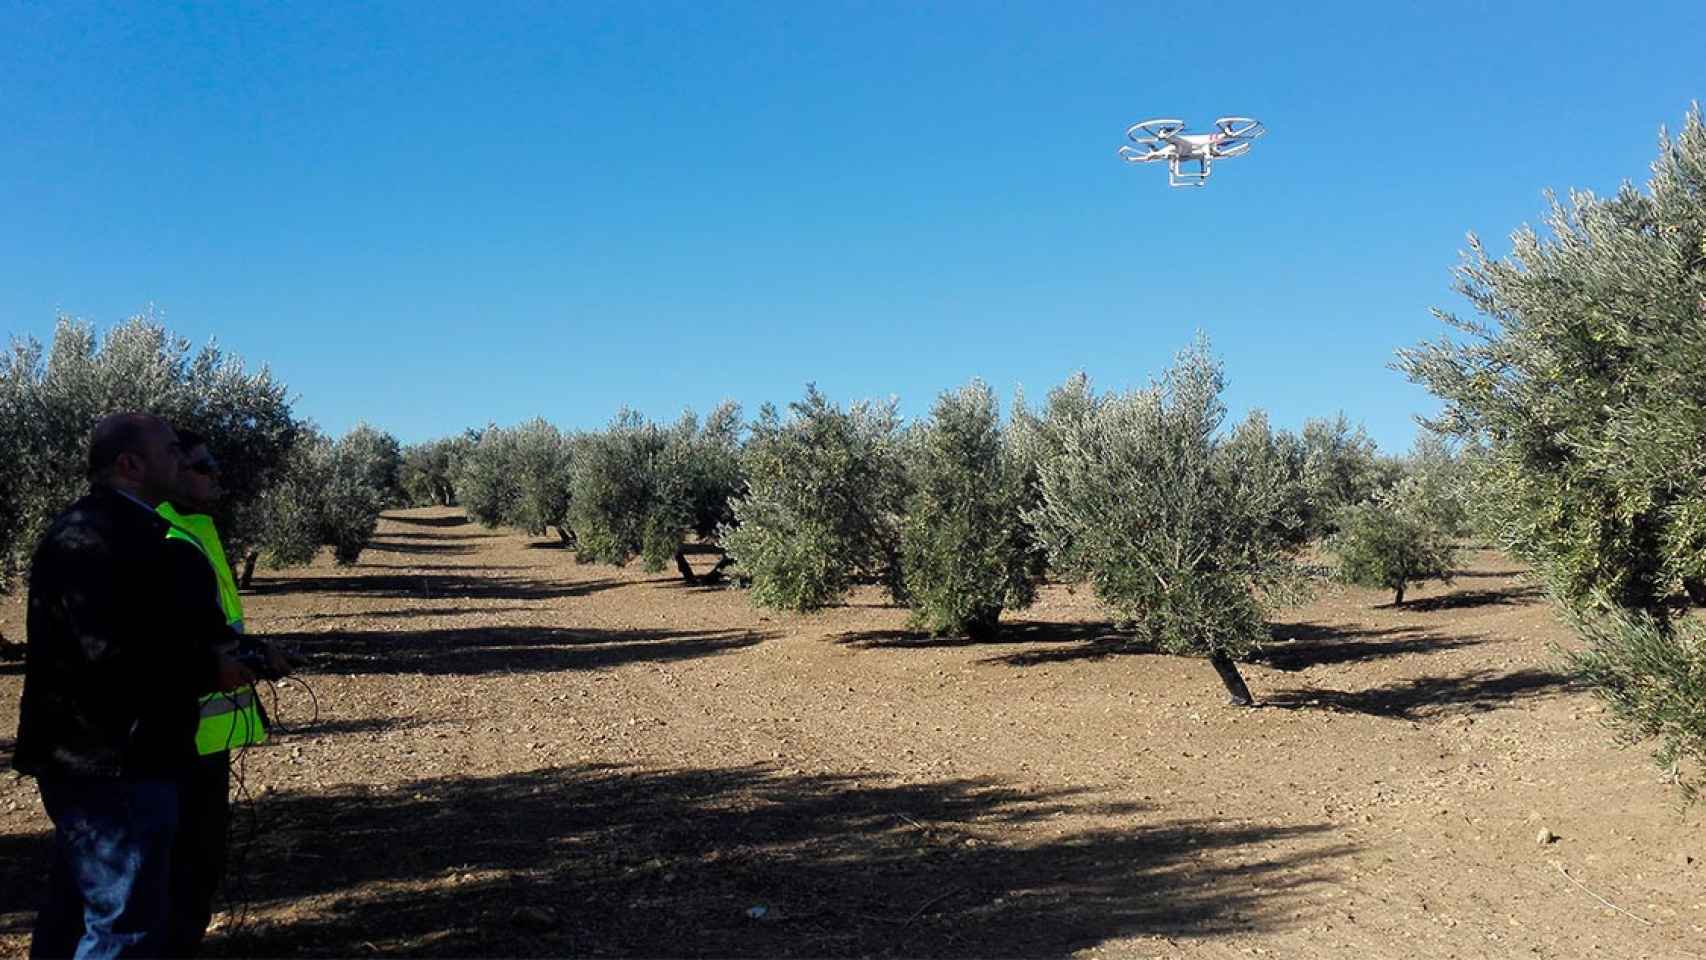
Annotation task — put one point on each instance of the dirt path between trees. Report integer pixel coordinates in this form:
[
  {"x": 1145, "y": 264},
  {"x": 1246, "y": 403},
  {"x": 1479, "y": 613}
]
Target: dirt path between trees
[{"x": 519, "y": 755}]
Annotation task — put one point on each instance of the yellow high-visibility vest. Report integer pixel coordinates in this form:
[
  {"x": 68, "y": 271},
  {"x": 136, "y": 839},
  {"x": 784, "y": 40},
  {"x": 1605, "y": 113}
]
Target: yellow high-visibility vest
[{"x": 230, "y": 718}]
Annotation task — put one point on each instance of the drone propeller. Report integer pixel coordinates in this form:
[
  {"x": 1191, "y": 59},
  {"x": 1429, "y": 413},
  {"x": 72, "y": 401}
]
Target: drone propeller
[
  {"x": 1153, "y": 131},
  {"x": 1230, "y": 147},
  {"x": 1245, "y": 128},
  {"x": 1134, "y": 155}
]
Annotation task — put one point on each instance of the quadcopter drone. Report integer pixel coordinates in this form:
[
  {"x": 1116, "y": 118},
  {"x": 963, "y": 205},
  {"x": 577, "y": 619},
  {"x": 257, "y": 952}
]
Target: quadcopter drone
[{"x": 1167, "y": 140}]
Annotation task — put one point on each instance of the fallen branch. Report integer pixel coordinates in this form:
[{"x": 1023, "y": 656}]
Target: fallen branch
[
  {"x": 1596, "y": 896},
  {"x": 938, "y": 898},
  {"x": 960, "y": 832},
  {"x": 928, "y": 904}
]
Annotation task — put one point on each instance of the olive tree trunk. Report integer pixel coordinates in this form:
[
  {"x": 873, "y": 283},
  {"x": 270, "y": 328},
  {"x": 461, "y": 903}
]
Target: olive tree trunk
[
  {"x": 1237, "y": 692},
  {"x": 713, "y": 575}
]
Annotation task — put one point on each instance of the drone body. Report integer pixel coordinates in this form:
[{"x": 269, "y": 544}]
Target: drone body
[{"x": 1167, "y": 140}]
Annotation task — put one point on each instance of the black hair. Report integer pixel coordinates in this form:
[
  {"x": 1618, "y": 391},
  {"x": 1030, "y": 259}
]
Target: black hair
[
  {"x": 117, "y": 434},
  {"x": 188, "y": 440}
]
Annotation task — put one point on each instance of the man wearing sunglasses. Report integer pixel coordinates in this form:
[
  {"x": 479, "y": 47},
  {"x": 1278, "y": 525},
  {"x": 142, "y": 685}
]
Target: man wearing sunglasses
[{"x": 230, "y": 719}]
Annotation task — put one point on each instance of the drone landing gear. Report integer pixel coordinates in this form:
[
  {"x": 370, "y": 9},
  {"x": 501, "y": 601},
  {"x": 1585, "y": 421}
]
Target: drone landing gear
[{"x": 1187, "y": 178}]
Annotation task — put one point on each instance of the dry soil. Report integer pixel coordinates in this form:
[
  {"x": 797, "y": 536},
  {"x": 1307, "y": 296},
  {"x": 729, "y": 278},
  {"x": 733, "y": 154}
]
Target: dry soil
[{"x": 514, "y": 754}]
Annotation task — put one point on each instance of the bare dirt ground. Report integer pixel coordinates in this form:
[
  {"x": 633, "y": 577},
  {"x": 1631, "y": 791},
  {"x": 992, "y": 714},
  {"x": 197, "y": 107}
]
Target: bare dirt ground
[{"x": 519, "y": 755}]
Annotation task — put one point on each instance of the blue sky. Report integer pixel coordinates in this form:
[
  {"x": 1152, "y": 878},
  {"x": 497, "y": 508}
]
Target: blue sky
[{"x": 433, "y": 218}]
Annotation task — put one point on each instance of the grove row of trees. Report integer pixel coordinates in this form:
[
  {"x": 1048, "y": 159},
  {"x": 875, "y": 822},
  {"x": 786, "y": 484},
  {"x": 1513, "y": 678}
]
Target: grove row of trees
[{"x": 1188, "y": 532}]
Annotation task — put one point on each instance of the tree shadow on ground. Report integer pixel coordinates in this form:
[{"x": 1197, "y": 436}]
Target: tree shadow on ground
[
  {"x": 379, "y": 545},
  {"x": 1066, "y": 642},
  {"x": 1422, "y": 697},
  {"x": 590, "y": 860},
  {"x": 501, "y": 649},
  {"x": 454, "y": 520},
  {"x": 414, "y": 611},
  {"x": 1010, "y": 632},
  {"x": 1466, "y": 599},
  {"x": 714, "y": 586},
  {"x": 337, "y": 728},
  {"x": 440, "y": 537},
  {"x": 416, "y": 586},
  {"x": 1299, "y": 646},
  {"x": 1094, "y": 650},
  {"x": 1473, "y": 574},
  {"x": 364, "y": 565}
]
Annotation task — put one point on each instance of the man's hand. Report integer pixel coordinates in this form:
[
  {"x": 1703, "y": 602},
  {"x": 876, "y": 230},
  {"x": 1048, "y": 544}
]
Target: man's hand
[
  {"x": 232, "y": 674},
  {"x": 279, "y": 663}
]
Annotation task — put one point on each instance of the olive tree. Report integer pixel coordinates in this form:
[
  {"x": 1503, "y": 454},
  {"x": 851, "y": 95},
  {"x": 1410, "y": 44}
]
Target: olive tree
[
  {"x": 1388, "y": 542},
  {"x": 1341, "y": 468},
  {"x": 1184, "y": 532},
  {"x": 330, "y": 494},
  {"x": 1404, "y": 533},
  {"x": 380, "y": 457},
  {"x": 644, "y": 490},
  {"x": 288, "y": 512},
  {"x": 614, "y": 487},
  {"x": 701, "y": 478},
  {"x": 1038, "y": 436},
  {"x": 430, "y": 470},
  {"x": 965, "y": 549},
  {"x": 1583, "y": 382},
  {"x": 518, "y": 476},
  {"x": 489, "y": 482},
  {"x": 1275, "y": 461},
  {"x": 1437, "y": 485},
  {"x": 360, "y": 481},
  {"x": 542, "y": 457},
  {"x": 826, "y": 489},
  {"x": 1651, "y": 673},
  {"x": 1584, "y": 378},
  {"x": 50, "y": 400}
]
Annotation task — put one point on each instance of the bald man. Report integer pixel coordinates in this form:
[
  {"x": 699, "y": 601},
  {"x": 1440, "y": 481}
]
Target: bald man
[{"x": 122, "y": 642}]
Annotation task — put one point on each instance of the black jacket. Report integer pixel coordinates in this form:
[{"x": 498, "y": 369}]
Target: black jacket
[{"x": 122, "y": 628}]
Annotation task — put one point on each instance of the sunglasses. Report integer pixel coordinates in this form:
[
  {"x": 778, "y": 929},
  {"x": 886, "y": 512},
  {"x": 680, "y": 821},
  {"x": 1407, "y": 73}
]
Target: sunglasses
[{"x": 206, "y": 468}]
